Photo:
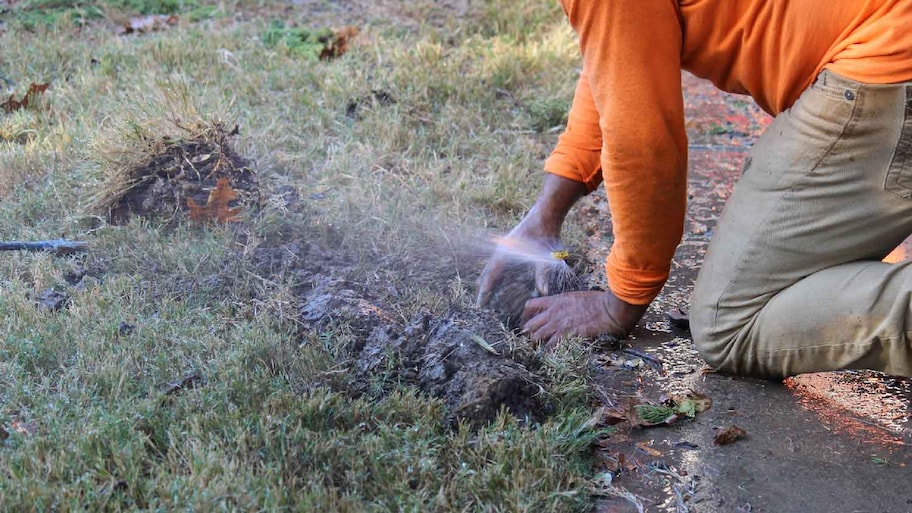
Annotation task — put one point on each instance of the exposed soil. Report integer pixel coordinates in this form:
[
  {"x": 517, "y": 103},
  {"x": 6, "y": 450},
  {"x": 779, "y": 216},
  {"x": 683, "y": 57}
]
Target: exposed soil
[
  {"x": 463, "y": 357},
  {"x": 180, "y": 170},
  {"x": 443, "y": 356}
]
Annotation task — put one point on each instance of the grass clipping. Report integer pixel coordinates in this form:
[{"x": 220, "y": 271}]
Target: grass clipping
[{"x": 667, "y": 411}]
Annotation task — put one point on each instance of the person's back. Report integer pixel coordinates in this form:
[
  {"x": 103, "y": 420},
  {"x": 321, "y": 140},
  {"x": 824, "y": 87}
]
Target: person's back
[{"x": 773, "y": 49}]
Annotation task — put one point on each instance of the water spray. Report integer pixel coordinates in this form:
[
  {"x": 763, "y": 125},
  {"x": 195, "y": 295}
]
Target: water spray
[{"x": 531, "y": 270}]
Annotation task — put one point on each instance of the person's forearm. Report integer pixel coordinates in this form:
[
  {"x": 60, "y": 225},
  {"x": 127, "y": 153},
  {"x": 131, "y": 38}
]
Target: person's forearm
[
  {"x": 632, "y": 60},
  {"x": 546, "y": 217}
]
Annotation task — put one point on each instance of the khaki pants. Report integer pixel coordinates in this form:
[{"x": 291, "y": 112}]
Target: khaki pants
[{"x": 792, "y": 281}]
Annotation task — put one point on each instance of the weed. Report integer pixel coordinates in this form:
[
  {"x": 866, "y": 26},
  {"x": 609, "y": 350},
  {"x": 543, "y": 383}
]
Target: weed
[{"x": 302, "y": 41}]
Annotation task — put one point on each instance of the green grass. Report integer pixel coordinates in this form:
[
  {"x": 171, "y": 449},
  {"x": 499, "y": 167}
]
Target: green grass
[
  {"x": 44, "y": 14},
  {"x": 453, "y": 151}
]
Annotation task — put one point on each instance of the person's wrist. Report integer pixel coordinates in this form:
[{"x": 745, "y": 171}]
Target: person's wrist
[
  {"x": 538, "y": 224},
  {"x": 625, "y": 314}
]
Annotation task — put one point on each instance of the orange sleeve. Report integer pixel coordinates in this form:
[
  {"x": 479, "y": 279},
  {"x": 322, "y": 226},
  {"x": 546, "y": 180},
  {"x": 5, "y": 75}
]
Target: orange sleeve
[
  {"x": 578, "y": 153},
  {"x": 632, "y": 58}
]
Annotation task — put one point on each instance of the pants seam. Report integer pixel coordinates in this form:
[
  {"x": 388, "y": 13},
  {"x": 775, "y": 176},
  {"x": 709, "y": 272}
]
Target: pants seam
[{"x": 823, "y": 346}]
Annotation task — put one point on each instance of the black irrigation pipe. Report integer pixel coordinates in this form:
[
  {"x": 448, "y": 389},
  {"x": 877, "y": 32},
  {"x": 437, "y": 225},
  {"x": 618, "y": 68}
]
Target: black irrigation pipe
[{"x": 58, "y": 246}]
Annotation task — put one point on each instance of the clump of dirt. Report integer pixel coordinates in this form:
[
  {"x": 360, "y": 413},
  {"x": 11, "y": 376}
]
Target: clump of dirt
[
  {"x": 463, "y": 356},
  {"x": 445, "y": 357},
  {"x": 173, "y": 171}
]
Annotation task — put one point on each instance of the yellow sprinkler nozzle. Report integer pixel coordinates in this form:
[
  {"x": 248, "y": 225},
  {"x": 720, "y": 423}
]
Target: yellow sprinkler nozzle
[{"x": 560, "y": 255}]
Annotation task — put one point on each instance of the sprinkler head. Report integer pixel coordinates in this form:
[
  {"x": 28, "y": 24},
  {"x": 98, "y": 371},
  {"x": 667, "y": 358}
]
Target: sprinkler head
[{"x": 523, "y": 280}]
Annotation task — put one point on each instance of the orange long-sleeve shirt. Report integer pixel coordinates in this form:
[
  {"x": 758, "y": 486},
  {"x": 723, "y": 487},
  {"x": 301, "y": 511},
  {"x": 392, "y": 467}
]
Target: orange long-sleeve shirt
[{"x": 626, "y": 125}]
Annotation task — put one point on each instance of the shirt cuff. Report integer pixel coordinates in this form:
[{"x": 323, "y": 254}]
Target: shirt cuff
[
  {"x": 573, "y": 166},
  {"x": 635, "y": 286}
]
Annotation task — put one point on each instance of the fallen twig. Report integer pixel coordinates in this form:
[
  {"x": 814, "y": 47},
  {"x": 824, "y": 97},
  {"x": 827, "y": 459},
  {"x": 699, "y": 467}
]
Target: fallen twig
[
  {"x": 189, "y": 381},
  {"x": 58, "y": 246},
  {"x": 653, "y": 361}
]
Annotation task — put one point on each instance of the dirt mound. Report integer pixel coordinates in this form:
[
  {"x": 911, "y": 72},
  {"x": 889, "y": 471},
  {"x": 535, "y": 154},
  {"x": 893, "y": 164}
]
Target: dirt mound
[
  {"x": 174, "y": 171},
  {"x": 461, "y": 358}
]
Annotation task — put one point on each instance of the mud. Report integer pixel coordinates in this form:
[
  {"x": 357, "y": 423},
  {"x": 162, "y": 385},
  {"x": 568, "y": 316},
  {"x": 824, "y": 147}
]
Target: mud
[
  {"x": 180, "y": 170},
  {"x": 464, "y": 357}
]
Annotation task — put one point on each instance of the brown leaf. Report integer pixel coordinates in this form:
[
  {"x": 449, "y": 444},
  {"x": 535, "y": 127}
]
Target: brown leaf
[
  {"x": 4, "y": 434},
  {"x": 690, "y": 404},
  {"x": 678, "y": 318},
  {"x": 336, "y": 45},
  {"x": 112, "y": 487},
  {"x": 34, "y": 90},
  {"x": 24, "y": 428},
  {"x": 188, "y": 382},
  {"x": 606, "y": 416},
  {"x": 217, "y": 207},
  {"x": 645, "y": 447},
  {"x": 199, "y": 159},
  {"x": 150, "y": 23},
  {"x": 729, "y": 435}
]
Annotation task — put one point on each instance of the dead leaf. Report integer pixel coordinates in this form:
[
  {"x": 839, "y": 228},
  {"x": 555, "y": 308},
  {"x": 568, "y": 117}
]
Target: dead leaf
[
  {"x": 484, "y": 344},
  {"x": 691, "y": 404},
  {"x": 615, "y": 360},
  {"x": 613, "y": 416},
  {"x": 336, "y": 45},
  {"x": 729, "y": 435},
  {"x": 4, "y": 434},
  {"x": 188, "y": 382},
  {"x": 34, "y": 91},
  {"x": 146, "y": 24},
  {"x": 24, "y": 428},
  {"x": 112, "y": 487},
  {"x": 645, "y": 447},
  {"x": 217, "y": 207},
  {"x": 678, "y": 318},
  {"x": 199, "y": 159}
]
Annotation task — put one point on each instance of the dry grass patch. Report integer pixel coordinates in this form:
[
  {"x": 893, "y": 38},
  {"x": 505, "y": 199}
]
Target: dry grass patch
[{"x": 450, "y": 124}]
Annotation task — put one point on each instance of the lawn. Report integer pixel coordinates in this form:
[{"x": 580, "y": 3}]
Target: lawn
[{"x": 175, "y": 372}]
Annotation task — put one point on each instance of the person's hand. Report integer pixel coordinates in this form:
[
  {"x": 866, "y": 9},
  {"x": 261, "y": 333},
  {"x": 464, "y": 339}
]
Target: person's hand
[{"x": 585, "y": 314}]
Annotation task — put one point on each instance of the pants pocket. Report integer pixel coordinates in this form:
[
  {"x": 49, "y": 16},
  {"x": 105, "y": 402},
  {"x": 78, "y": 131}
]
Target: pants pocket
[{"x": 899, "y": 175}]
